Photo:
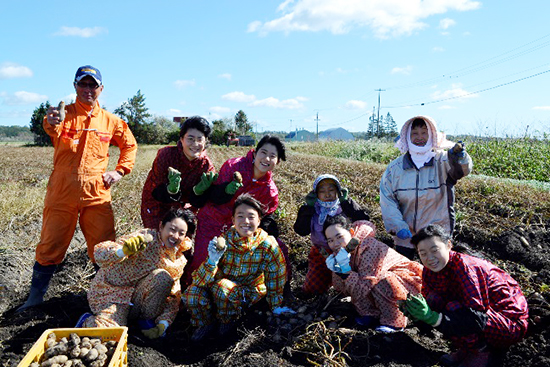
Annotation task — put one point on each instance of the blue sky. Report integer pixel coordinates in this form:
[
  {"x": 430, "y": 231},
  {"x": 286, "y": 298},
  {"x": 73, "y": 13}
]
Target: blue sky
[{"x": 284, "y": 62}]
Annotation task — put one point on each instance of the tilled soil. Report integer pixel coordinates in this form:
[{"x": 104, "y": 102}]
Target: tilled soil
[{"x": 322, "y": 334}]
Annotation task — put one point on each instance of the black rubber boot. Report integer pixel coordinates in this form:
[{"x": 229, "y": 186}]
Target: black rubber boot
[{"x": 41, "y": 276}]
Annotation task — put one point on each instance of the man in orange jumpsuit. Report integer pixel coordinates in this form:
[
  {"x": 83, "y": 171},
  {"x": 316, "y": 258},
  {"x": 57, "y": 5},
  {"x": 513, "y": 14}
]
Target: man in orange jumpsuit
[{"x": 79, "y": 186}]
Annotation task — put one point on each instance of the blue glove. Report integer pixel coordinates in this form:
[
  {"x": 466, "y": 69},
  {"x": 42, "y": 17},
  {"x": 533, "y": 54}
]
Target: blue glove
[
  {"x": 280, "y": 310},
  {"x": 342, "y": 259},
  {"x": 214, "y": 255},
  {"x": 404, "y": 234},
  {"x": 331, "y": 263}
]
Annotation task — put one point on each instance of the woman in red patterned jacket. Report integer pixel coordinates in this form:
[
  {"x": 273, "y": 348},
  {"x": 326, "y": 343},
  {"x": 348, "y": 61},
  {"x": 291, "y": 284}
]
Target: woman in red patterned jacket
[
  {"x": 217, "y": 203},
  {"x": 472, "y": 302},
  {"x": 164, "y": 187}
]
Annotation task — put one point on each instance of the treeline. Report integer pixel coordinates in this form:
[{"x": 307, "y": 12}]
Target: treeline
[
  {"x": 15, "y": 133},
  {"x": 150, "y": 129}
]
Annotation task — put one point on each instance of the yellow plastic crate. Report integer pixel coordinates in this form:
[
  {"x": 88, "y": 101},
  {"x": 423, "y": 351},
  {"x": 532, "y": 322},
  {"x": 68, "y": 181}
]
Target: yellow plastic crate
[{"x": 119, "y": 334}]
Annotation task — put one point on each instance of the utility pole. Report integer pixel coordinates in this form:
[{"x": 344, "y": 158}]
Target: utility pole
[
  {"x": 317, "y": 120},
  {"x": 378, "y": 118}
]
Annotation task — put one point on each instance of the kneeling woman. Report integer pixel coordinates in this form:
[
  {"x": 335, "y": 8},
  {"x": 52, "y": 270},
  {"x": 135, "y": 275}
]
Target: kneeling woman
[
  {"x": 251, "y": 266},
  {"x": 373, "y": 274},
  {"x": 139, "y": 275}
]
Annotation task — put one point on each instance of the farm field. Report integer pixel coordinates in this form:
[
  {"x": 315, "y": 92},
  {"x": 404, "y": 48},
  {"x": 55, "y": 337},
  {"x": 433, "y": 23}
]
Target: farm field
[{"x": 509, "y": 223}]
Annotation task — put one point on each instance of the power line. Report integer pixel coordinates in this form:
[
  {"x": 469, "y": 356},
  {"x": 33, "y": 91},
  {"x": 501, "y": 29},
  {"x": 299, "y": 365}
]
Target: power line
[{"x": 469, "y": 94}]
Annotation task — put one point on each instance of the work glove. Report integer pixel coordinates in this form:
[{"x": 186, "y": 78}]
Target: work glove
[
  {"x": 155, "y": 332},
  {"x": 207, "y": 179},
  {"x": 343, "y": 195},
  {"x": 174, "y": 180},
  {"x": 342, "y": 259},
  {"x": 334, "y": 266},
  {"x": 281, "y": 310},
  {"x": 232, "y": 187},
  {"x": 459, "y": 149},
  {"x": 311, "y": 198},
  {"x": 404, "y": 234},
  {"x": 134, "y": 245},
  {"x": 214, "y": 252},
  {"x": 418, "y": 308}
]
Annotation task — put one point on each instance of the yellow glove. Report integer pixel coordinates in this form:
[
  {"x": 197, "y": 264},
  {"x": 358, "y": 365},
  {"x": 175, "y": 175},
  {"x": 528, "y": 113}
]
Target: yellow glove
[
  {"x": 133, "y": 245},
  {"x": 155, "y": 332}
]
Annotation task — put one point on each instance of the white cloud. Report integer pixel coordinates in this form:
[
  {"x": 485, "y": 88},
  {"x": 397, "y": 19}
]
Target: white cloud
[
  {"x": 438, "y": 49},
  {"x": 406, "y": 70},
  {"x": 302, "y": 99},
  {"x": 218, "y": 109},
  {"x": 289, "y": 104},
  {"x": 225, "y": 76},
  {"x": 80, "y": 32},
  {"x": 69, "y": 98},
  {"x": 542, "y": 108},
  {"x": 456, "y": 92},
  {"x": 22, "y": 98},
  {"x": 238, "y": 97},
  {"x": 355, "y": 105},
  {"x": 385, "y": 17},
  {"x": 180, "y": 84},
  {"x": 9, "y": 70},
  {"x": 174, "y": 112},
  {"x": 446, "y": 23}
]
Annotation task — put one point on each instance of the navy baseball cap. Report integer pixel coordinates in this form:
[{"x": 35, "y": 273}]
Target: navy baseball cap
[{"x": 85, "y": 71}]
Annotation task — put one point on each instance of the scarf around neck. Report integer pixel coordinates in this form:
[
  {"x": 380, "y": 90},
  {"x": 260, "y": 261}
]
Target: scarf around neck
[{"x": 327, "y": 208}]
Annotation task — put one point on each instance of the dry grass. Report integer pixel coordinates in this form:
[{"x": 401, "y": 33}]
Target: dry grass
[{"x": 487, "y": 204}]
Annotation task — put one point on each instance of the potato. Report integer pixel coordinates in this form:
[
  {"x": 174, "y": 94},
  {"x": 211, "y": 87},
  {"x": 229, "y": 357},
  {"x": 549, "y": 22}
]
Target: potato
[
  {"x": 61, "y": 109},
  {"x": 91, "y": 355},
  {"x": 34, "y": 364},
  {"x": 220, "y": 243},
  {"x": 74, "y": 340},
  {"x": 83, "y": 351},
  {"x": 102, "y": 349},
  {"x": 58, "y": 349},
  {"x": 75, "y": 351},
  {"x": 59, "y": 360},
  {"x": 237, "y": 177}
]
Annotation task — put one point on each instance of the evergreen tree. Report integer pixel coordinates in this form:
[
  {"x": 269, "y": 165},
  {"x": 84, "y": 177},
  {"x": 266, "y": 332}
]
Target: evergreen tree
[
  {"x": 135, "y": 114},
  {"x": 40, "y": 136},
  {"x": 390, "y": 127},
  {"x": 241, "y": 123}
]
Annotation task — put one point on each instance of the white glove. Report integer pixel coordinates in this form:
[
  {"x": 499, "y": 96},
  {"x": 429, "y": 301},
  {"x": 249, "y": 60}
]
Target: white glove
[
  {"x": 342, "y": 259},
  {"x": 214, "y": 255}
]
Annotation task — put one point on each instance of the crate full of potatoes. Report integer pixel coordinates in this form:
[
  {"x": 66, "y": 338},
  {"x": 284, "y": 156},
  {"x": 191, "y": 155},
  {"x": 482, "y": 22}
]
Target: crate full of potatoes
[{"x": 86, "y": 347}]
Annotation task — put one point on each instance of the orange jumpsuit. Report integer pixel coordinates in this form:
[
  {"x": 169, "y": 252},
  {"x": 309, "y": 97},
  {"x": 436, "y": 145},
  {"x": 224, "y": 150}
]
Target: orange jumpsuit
[{"x": 75, "y": 189}]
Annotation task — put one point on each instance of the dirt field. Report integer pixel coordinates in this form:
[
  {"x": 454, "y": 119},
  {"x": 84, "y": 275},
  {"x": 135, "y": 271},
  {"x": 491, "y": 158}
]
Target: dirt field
[{"x": 513, "y": 232}]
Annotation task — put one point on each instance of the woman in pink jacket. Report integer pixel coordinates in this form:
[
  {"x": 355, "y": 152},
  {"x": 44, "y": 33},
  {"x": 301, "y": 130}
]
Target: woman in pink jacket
[
  {"x": 373, "y": 274},
  {"x": 217, "y": 201}
]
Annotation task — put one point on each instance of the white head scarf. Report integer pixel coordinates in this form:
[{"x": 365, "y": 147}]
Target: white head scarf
[{"x": 421, "y": 155}]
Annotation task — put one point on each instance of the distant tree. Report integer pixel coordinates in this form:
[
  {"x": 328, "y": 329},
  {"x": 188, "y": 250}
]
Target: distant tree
[
  {"x": 40, "y": 136},
  {"x": 241, "y": 123},
  {"x": 219, "y": 131},
  {"x": 135, "y": 114},
  {"x": 390, "y": 127}
]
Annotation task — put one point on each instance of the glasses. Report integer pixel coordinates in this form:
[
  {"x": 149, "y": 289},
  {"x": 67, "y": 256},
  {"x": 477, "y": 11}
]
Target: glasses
[{"x": 87, "y": 85}]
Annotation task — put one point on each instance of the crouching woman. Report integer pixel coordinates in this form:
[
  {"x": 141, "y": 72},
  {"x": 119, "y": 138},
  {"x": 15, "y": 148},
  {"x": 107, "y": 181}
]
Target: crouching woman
[
  {"x": 139, "y": 276},
  {"x": 472, "y": 302},
  {"x": 249, "y": 267},
  {"x": 375, "y": 276}
]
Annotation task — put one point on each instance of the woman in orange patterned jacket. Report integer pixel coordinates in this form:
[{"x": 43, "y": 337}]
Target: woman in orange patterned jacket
[{"x": 139, "y": 276}]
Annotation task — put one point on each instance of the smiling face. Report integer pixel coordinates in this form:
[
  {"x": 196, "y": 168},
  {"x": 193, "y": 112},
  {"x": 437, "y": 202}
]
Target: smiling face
[
  {"x": 337, "y": 237},
  {"x": 87, "y": 90},
  {"x": 246, "y": 220},
  {"x": 193, "y": 143},
  {"x": 420, "y": 135},
  {"x": 173, "y": 232},
  {"x": 265, "y": 160},
  {"x": 327, "y": 190},
  {"x": 434, "y": 253}
]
